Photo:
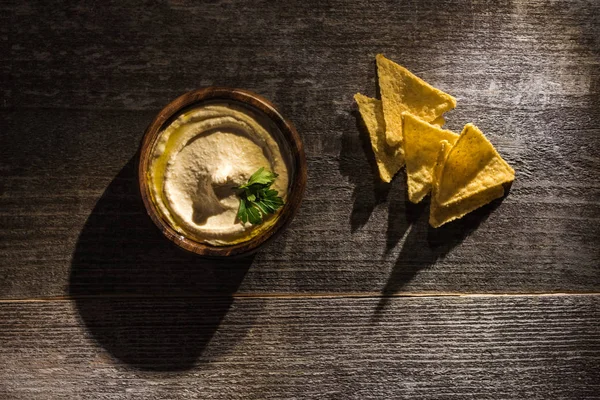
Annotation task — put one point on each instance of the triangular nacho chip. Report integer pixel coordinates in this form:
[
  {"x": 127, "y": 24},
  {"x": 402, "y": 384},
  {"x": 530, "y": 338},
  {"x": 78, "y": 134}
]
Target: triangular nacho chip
[
  {"x": 421, "y": 148},
  {"x": 438, "y": 214},
  {"x": 439, "y": 121},
  {"x": 472, "y": 166},
  {"x": 389, "y": 159},
  {"x": 402, "y": 91}
]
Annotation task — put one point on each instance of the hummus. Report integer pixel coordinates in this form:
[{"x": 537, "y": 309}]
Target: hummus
[{"x": 200, "y": 159}]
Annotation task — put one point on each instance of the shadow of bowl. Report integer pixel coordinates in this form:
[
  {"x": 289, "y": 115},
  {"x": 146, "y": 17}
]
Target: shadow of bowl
[{"x": 149, "y": 303}]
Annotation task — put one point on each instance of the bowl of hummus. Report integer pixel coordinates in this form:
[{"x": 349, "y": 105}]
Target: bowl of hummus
[{"x": 221, "y": 171}]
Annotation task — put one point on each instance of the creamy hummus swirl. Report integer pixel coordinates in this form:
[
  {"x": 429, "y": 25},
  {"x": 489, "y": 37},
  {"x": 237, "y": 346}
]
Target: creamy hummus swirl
[{"x": 200, "y": 159}]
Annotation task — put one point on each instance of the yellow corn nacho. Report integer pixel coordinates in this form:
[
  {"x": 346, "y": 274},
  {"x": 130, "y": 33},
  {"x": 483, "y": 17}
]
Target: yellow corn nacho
[
  {"x": 473, "y": 165},
  {"x": 402, "y": 91},
  {"x": 439, "y": 214},
  {"x": 439, "y": 121},
  {"x": 389, "y": 159},
  {"x": 421, "y": 148},
  {"x": 462, "y": 172}
]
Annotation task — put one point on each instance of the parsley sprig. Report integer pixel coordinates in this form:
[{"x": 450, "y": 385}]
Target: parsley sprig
[{"x": 256, "y": 199}]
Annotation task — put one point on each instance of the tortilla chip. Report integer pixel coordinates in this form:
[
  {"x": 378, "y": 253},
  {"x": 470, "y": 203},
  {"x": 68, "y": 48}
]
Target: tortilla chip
[
  {"x": 472, "y": 166},
  {"x": 402, "y": 91},
  {"x": 421, "y": 149},
  {"x": 440, "y": 215},
  {"x": 389, "y": 159},
  {"x": 439, "y": 121}
]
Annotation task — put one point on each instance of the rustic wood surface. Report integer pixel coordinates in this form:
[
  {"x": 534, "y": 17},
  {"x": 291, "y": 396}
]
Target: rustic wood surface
[
  {"x": 337, "y": 348},
  {"x": 95, "y": 303},
  {"x": 83, "y": 82}
]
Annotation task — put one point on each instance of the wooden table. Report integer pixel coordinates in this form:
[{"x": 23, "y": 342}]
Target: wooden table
[{"x": 359, "y": 299}]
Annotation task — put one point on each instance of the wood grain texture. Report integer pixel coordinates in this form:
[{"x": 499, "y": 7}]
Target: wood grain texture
[
  {"x": 81, "y": 83},
  {"x": 343, "y": 348}
]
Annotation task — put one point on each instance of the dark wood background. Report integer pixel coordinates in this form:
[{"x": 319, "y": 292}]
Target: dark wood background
[{"x": 359, "y": 298}]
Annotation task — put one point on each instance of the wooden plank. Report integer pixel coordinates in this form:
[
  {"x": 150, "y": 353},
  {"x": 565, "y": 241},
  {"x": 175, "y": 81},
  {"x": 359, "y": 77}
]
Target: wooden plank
[
  {"x": 76, "y": 103},
  {"x": 72, "y": 223},
  {"x": 308, "y": 54},
  {"x": 528, "y": 347}
]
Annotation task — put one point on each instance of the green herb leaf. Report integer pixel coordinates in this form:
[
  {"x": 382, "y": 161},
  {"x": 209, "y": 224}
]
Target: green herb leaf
[
  {"x": 256, "y": 199},
  {"x": 263, "y": 209},
  {"x": 254, "y": 215},
  {"x": 261, "y": 177},
  {"x": 242, "y": 211}
]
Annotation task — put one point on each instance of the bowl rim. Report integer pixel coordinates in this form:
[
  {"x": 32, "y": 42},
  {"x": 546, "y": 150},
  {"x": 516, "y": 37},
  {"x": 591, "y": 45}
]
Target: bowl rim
[{"x": 290, "y": 135}]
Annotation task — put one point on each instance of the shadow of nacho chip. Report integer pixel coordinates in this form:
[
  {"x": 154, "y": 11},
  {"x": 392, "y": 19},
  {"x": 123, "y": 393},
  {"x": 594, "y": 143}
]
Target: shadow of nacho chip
[
  {"x": 421, "y": 148},
  {"x": 402, "y": 91},
  {"x": 389, "y": 159},
  {"x": 472, "y": 166},
  {"x": 439, "y": 214}
]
